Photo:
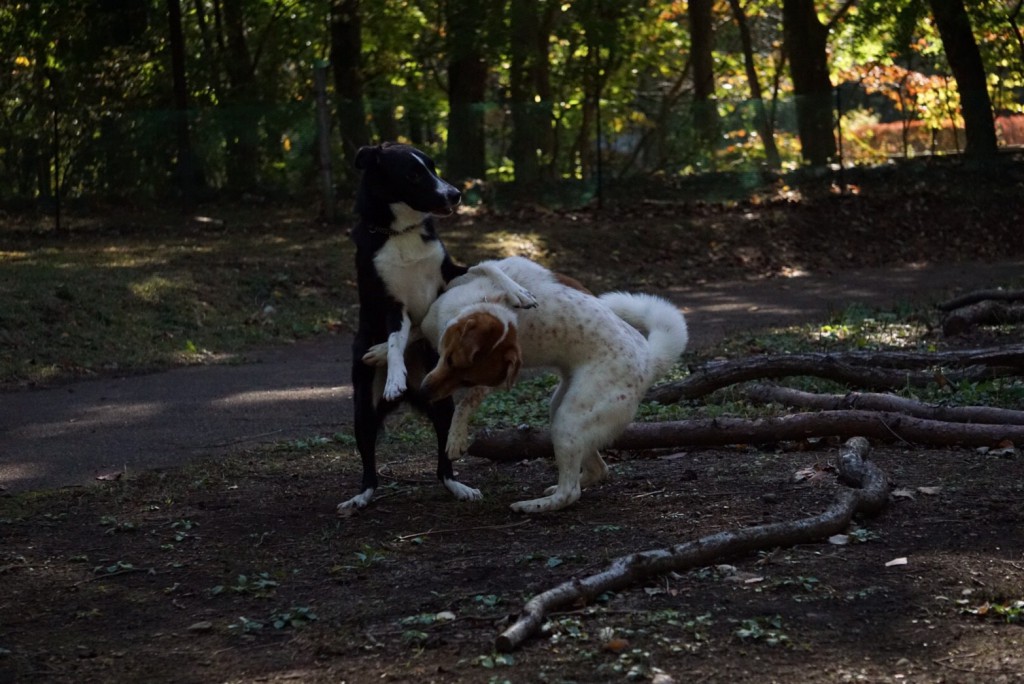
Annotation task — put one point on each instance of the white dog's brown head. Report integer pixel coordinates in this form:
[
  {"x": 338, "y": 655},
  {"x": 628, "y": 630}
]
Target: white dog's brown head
[{"x": 476, "y": 349}]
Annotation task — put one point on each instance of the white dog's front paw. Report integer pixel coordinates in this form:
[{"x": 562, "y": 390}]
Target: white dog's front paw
[
  {"x": 463, "y": 492},
  {"x": 377, "y": 355},
  {"x": 521, "y": 298},
  {"x": 458, "y": 444},
  {"x": 395, "y": 386}
]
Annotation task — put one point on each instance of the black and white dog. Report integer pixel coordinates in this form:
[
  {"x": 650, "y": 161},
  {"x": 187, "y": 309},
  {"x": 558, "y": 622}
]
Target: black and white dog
[{"x": 401, "y": 268}]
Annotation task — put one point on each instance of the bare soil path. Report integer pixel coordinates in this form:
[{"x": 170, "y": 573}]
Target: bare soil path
[{"x": 72, "y": 434}]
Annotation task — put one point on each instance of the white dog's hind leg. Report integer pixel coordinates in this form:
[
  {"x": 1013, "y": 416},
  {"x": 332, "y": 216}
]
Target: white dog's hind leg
[
  {"x": 558, "y": 500},
  {"x": 569, "y": 450},
  {"x": 595, "y": 470}
]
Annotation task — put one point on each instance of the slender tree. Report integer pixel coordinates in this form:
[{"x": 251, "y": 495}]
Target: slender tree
[
  {"x": 705, "y": 108},
  {"x": 184, "y": 172},
  {"x": 346, "y": 61},
  {"x": 965, "y": 61},
  {"x": 761, "y": 120},
  {"x": 805, "y": 39},
  {"x": 242, "y": 124},
  {"x": 529, "y": 89},
  {"x": 467, "y": 89}
]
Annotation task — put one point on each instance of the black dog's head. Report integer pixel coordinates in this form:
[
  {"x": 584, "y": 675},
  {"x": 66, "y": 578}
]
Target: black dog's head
[{"x": 395, "y": 175}]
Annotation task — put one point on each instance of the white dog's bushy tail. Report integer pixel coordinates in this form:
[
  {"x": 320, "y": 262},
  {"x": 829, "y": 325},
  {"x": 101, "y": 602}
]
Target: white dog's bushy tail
[{"x": 657, "y": 318}]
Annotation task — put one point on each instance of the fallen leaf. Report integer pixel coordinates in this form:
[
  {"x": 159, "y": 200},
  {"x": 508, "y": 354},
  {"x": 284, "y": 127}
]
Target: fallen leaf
[
  {"x": 929, "y": 491},
  {"x": 1005, "y": 448},
  {"x": 902, "y": 493},
  {"x": 617, "y": 645},
  {"x": 110, "y": 477},
  {"x": 817, "y": 474},
  {"x": 204, "y": 626},
  {"x": 897, "y": 561},
  {"x": 839, "y": 539}
]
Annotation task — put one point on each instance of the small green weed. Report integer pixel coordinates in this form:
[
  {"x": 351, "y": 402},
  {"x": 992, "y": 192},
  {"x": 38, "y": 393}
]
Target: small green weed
[
  {"x": 260, "y": 586},
  {"x": 1007, "y": 611},
  {"x": 767, "y": 630},
  {"x": 368, "y": 556}
]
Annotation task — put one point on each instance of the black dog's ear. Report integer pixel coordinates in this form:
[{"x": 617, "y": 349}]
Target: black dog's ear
[{"x": 366, "y": 157}]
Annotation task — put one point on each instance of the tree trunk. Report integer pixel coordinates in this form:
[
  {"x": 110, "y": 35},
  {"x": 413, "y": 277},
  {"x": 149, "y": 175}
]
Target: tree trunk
[
  {"x": 243, "y": 124},
  {"x": 705, "y": 109},
  {"x": 467, "y": 90},
  {"x": 761, "y": 121},
  {"x": 965, "y": 61},
  {"x": 346, "y": 60},
  {"x": 806, "y": 39},
  {"x": 185, "y": 173},
  {"x": 531, "y": 119}
]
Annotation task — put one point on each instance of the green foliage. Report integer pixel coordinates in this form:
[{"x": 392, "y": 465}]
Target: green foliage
[
  {"x": 1008, "y": 611},
  {"x": 101, "y": 92},
  {"x": 767, "y": 630},
  {"x": 128, "y": 302},
  {"x": 260, "y": 585}
]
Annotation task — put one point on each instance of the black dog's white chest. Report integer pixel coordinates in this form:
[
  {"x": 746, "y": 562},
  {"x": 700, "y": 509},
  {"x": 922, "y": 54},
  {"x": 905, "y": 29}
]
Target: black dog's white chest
[{"x": 410, "y": 267}]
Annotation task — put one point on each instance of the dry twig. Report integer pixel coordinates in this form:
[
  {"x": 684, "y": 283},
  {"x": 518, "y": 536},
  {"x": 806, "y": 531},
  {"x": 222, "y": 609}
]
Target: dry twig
[
  {"x": 860, "y": 369},
  {"x": 868, "y": 499},
  {"x": 870, "y": 401}
]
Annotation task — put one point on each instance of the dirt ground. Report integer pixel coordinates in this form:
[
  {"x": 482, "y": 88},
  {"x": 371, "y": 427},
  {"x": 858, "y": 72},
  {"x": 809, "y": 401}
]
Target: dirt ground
[
  {"x": 238, "y": 570},
  {"x": 179, "y": 577}
]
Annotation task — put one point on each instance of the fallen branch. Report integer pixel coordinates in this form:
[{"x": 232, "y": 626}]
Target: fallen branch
[
  {"x": 869, "y": 401},
  {"x": 868, "y": 499},
  {"x": 983, "y": 313},
  {"x": 883, "y": 426},
  {"x": 844, "y": 368},
  {"x": 1004, "y": 355},
  {"x": 981, "y": 296}
]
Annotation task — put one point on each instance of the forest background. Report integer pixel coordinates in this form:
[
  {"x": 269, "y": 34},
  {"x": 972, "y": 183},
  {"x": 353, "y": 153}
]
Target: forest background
[{"x": 194, "y": 99}]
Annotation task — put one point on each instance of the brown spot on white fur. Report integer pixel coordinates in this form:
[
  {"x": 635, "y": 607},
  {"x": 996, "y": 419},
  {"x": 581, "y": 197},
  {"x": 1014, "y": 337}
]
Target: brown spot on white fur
[{"x": 569, "y": 281}]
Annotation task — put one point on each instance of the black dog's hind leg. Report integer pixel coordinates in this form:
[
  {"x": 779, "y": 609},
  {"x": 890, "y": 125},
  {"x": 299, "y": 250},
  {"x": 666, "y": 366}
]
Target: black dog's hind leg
[
  {"x": 440, "y": 415},
  {"x": 368, "y": 415}
]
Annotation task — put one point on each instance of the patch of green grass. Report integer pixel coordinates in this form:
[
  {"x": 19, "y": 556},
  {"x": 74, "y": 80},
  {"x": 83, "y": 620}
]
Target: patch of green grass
[
  {"x": 102, "y": 302},
  {"x": 525, "y": 404}
]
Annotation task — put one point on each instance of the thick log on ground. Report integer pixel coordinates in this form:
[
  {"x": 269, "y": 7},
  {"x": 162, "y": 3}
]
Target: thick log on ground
[
  {"x": 869, "y": 498},
  {"x": 884, "y": 426},
  {"x": 870, "y": 401},
  {"x": 982, "y": 296},
  {"x": 845, "y": 368},
  {"x": 983, "y": 313}
]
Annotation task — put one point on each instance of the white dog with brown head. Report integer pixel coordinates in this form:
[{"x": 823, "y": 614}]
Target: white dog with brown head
[{"x": 596, "y": 345}]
